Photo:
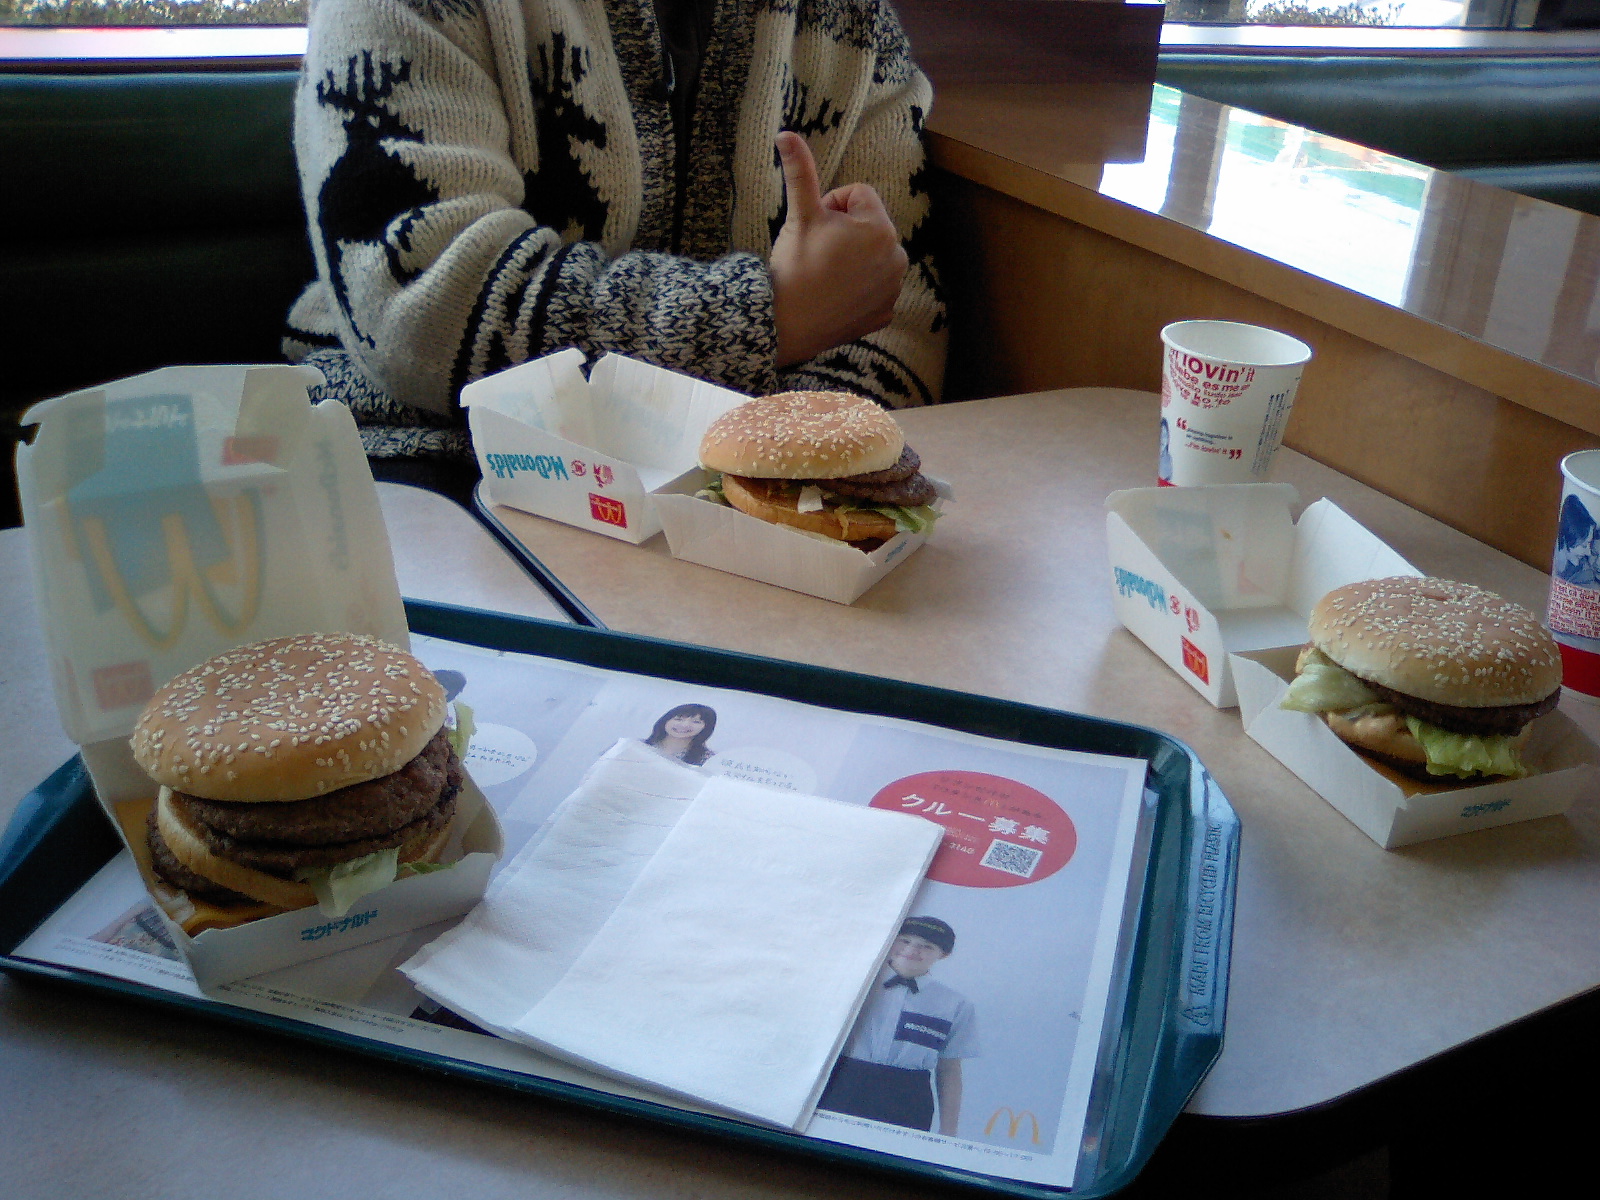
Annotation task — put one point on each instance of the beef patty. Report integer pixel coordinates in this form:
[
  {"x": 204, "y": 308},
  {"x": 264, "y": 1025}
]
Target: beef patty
[
  {"x": 404, "y": 809},
  {"x": 908, "y": 464},
  {"x": 284, "y": 859},
  {"x": 1484, "y": 722},
  {"x": 360, "y": 811},
  {"x": 167, "y": 866},
  {"x": 907, "y": 492},
  {"x": 900, "y": 484}
]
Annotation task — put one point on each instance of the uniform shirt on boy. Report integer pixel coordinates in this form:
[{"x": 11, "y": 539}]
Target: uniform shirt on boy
[{"x": 914, "y": 1030}]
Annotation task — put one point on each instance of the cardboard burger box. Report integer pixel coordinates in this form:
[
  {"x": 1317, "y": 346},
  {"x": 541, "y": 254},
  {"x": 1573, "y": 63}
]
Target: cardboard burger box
[
  {"x": 1565, "y": 765},
  {"x": 618, "y": 453},
  {"x": 1220, "y": 582},
  {"x": 174, "y": 515}
]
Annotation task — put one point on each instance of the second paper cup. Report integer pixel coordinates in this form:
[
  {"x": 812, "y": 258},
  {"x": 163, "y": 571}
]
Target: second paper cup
[{"x": 1574, "y": 615}]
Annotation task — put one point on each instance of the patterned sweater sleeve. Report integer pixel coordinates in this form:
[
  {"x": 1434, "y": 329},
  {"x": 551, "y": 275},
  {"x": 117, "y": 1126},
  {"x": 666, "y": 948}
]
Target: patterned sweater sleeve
[
  {"x": 903, "y": 364},
  {"x": 414, "y": 159}
]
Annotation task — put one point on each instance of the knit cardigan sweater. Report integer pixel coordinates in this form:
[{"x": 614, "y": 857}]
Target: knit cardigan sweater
[{"x": 491, "y": 180}]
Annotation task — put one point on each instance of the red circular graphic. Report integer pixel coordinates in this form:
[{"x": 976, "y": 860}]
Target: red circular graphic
[{"x": 998, "y": 832}]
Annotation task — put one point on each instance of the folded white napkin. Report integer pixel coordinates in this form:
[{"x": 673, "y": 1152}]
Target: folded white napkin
[
  {"x": 551, "y": 899},
  {"x": 720, "y": 956}
]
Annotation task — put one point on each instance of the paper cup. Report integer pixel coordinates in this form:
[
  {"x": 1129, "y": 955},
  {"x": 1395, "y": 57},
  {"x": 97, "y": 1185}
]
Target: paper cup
[
  {"x": 1574, "y": 616},
  {"x": 1226, "y": 392}
]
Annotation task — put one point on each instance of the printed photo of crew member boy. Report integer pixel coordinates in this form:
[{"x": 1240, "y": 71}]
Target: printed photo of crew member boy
[{"x": 902, "y": 1062}]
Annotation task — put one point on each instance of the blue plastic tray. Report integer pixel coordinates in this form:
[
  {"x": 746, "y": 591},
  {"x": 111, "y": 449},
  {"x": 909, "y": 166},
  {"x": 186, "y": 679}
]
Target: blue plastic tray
[{"x": 1171, "y": 1009}]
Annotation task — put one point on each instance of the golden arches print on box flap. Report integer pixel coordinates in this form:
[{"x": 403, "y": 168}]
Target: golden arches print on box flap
[{"x": 181, "y": 512}]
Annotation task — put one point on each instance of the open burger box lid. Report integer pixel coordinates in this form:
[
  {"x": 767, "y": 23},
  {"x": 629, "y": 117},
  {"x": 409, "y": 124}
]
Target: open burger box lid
[
  {"x": 590, "y": 452},
  {"x": 1200, "y": 573},
  {"x": 179, "y": 513},
  {"x": 618, "y": 453}
]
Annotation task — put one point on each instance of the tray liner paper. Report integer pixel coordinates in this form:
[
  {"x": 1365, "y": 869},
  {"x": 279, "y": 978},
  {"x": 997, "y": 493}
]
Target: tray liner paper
[{"x": 711, "y": 938}]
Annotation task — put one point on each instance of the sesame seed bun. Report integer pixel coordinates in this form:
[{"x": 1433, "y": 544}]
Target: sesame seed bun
[
  {"x": 758, "y": 498},
  {"x": 802, "y": 435},
  {"x": 1442, "y": 642},
  {"x": 289, "y": 719}
]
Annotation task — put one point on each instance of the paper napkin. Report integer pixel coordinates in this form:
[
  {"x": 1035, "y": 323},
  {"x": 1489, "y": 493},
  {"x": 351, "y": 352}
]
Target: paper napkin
[
  {"x": 551, "y": 899},
  {"x": 717, "y": 948}
]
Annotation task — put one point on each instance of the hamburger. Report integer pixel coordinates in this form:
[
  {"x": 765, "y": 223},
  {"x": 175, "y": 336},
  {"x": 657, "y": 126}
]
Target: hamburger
[
  {"x": 302, "y": 770},
  {"x": 1435, "y": 679},
  {"x": 827, "y": 463}
]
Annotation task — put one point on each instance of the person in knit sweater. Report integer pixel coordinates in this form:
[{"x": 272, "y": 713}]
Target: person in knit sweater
[{"x": 735, "y": 189}]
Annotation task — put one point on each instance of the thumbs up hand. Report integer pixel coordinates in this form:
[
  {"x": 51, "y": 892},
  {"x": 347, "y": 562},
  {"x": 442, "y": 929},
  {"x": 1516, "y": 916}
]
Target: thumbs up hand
[{"x": 837, "y": 264}]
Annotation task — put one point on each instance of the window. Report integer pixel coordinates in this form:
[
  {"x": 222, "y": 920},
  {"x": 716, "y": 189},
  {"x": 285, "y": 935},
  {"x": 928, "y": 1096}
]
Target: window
[
  {"x": 152, "y": 12},
  {"x": 1433, "y": 14}
]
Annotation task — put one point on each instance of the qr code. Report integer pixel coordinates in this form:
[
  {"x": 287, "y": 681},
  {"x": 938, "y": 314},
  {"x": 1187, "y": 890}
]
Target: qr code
[{"x": 1011, "y": 858}]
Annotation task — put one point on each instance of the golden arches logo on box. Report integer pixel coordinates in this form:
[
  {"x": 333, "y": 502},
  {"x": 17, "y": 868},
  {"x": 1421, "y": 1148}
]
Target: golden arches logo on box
[
  {"x": 189, "y": 581},
  {"x": 1013, "y": 1124},
  {"x": 154, "y": 541}
]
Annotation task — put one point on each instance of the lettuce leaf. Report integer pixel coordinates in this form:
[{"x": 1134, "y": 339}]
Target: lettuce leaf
[
  {"x": 340, "y": 886},
  {"x": 916, "y": 519},
  {"x": 712, "y": 490},
  {"x": 1465, "y": 754},
  {"x": 426, "y": 868},
  {"x": 1324, "y": 686},
  {"x": 459, "y": 727}
]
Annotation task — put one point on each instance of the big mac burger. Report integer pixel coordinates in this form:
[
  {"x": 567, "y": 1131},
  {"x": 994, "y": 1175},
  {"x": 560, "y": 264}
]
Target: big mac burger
[
  {"x": 1435, "y": 679},
  {"x": 299, "y": 770},
  {"x": 827, "y": 463}
]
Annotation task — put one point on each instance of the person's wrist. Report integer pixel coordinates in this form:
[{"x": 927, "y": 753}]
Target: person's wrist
[
  {"x": 784, "y": 354},
  {"x": 793, "y": 340}
]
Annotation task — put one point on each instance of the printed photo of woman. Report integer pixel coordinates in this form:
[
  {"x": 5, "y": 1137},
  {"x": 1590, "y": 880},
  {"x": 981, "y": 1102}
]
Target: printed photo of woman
[{"x": 682, "y": 733}]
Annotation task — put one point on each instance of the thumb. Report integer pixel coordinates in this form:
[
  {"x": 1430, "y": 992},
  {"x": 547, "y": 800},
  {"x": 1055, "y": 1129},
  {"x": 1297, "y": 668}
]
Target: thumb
[
  {"x": 860, "y": 200},
  {"x": 799, "y": 179}
]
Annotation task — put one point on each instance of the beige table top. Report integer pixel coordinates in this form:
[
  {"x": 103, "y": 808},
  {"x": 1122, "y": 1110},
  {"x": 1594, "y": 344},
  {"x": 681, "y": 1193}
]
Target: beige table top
[{"x": 1349, "y": 962}]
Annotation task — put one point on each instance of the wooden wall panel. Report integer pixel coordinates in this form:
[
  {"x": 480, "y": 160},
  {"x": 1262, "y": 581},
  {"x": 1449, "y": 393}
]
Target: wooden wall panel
[
  {"x": 1031, "y": 41},
  {"x": 1038, "y": 301}
]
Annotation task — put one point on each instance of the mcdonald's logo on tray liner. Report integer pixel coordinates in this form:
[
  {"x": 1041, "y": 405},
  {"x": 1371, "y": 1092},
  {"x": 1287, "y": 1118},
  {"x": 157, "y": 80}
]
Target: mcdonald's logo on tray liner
[{"x": 1013, "y": 1123}]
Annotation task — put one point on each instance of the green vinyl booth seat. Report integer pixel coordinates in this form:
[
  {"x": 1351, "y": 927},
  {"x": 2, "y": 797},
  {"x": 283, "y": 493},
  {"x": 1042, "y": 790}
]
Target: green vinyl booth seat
[
  {"x": 1529, "y": 124},
  {"x": 149, "y": 220}
]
